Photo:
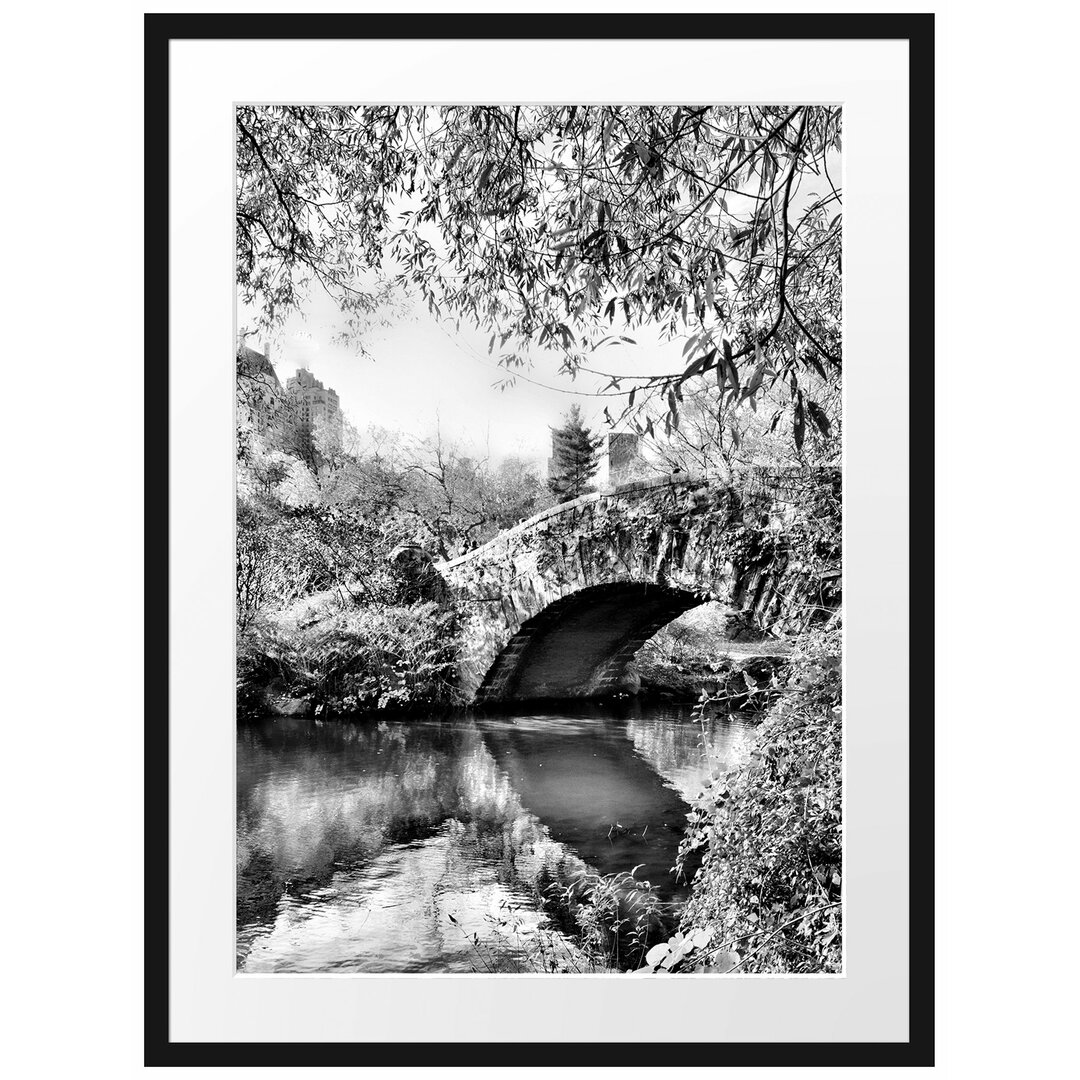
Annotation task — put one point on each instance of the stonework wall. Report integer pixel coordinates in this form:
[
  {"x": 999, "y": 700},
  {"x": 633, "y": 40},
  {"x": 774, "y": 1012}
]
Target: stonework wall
[{"x": 558, "y": 605}]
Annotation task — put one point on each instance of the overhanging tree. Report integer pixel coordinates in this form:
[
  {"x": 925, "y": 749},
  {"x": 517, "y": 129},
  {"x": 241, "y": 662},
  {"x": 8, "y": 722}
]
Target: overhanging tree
[
  {"x": 575, "y": 457},
  {"x": 564, "y": 227}
]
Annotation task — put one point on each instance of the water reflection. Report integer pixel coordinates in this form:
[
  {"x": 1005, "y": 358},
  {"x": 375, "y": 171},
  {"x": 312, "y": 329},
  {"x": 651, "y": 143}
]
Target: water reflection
[
  {"x": 686, "y": 751},
  {"x": 357, "y": 843}
]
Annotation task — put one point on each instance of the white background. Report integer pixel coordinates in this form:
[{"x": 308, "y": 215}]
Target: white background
[{"x": 1006, "y": 391}]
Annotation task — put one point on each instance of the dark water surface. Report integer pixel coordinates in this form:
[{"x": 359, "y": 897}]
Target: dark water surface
[{"x": 438, "y": 845}]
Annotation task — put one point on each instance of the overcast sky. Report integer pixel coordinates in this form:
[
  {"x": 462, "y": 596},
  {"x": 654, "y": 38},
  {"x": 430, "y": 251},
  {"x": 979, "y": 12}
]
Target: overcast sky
[{"x": 422, "y": 372}]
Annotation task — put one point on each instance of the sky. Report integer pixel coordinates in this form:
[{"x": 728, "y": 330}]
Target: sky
[{"x": 422, "y": 373}]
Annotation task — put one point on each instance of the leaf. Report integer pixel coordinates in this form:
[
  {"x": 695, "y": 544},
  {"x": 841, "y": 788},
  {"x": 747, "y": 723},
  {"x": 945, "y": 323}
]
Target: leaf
[
  {"x": 755, "y": 380},
  {"x": 727, "y": 960},
  {"x": 813, "y": 362},
  {"x": 698, "y": 365},
  {"x": 454, "y": 157},
  {"x": 729, "y": 363},
  {"x": 657, "y": 953},
  {"x": 817, "y": 414},
  {"x": 799, "y": 425}
]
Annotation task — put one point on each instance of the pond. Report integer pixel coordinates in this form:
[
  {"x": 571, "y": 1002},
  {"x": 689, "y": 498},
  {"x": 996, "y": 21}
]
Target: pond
[{"x": 457, "y": 844}]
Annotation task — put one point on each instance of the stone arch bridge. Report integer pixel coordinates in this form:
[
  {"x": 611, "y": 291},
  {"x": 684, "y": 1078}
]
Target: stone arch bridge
[{"x": 557, "y": 606}]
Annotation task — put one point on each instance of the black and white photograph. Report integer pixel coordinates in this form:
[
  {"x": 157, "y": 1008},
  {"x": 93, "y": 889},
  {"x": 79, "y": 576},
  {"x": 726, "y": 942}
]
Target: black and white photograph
[
  {"x": 511, "y": 561},
  {"x": 538, "y": 486}
]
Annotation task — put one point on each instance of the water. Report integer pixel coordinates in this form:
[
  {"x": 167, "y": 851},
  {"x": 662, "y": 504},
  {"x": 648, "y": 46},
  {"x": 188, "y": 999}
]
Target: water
[{"x": 445, "y": 845}]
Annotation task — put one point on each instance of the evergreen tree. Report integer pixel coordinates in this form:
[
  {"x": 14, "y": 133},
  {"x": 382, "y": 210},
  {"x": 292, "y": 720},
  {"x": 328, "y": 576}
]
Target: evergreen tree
[{"x": 575, "y": 457}]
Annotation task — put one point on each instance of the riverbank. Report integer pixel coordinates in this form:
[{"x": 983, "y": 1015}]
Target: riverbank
[
  {"x": 327, "y": 655},
  {"x": 767, "y": 897},
  {"x": 742, "y": 679}
]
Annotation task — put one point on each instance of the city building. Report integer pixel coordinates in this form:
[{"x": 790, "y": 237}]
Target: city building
[
  {"x": 625, "y": 460},
  {"x": 262, "y": 404},
  {"x": 316, "y": 408},
  {"x": 284, "y": 417}
]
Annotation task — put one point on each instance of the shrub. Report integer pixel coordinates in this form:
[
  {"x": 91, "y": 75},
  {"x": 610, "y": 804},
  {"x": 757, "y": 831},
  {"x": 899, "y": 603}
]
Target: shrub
[
  {"x": 768, "y": 890},
  {"x": 353, "y": 659},
  {"x": 283, "y": 554},
  {"x": 617, "y": 915},
  {"x": 766, "y": 897}
]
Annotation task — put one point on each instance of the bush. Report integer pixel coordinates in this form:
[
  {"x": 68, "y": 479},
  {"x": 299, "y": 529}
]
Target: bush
[
  {"x": 766, "y": 897},
  {"x": 351, "y": 659},
  {"x": 618, "y": 916},
  {"x": 283, "y": 554},
  {"x": 611, "y": 920},
  {"x": 768, "y": 890}
]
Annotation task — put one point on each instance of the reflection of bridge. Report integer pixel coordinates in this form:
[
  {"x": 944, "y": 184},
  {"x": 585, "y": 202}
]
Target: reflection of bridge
[
  {"x": 592, "y": 791},
  {"x": 560, "y": 603}
]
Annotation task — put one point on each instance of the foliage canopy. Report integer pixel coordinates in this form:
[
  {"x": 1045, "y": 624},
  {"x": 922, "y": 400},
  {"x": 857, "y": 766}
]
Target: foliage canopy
[{"x": 563, "y": 227}]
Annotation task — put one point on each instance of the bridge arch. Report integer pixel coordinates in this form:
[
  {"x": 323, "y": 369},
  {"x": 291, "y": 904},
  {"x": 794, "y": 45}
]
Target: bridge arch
[
  {"x": 580, "y": 645},
  {"x": 556, "y": 606}
]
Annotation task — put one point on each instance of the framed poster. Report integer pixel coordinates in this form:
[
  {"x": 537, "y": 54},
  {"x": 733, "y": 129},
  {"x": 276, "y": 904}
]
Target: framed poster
[{"x": 545, "y": 569}]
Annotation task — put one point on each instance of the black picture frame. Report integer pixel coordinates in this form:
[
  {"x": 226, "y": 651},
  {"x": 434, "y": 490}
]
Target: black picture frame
[{"x": 159, "y": 31}]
